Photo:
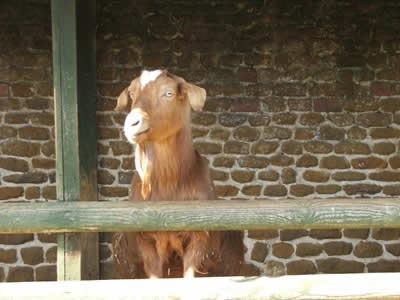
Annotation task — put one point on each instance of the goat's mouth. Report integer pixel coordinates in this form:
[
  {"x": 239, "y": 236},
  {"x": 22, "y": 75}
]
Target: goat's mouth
[
  {"x": 142, "y": 132},
  {"x": 139, "y": 135}
]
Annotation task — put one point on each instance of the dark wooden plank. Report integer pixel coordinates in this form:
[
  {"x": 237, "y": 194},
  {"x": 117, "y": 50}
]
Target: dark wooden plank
[
  {"x": 300, "y": 287},
  {"x": 199, "y": 215},
  {"x": 86, "y": 36},
  {"x": 74, "y": 24}
]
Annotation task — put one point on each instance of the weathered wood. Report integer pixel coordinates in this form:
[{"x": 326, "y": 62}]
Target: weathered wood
[
  {"x": 198, "y": 215},
  {"x": 304, "y": 287},
  {"x": 73, "y": 24}
]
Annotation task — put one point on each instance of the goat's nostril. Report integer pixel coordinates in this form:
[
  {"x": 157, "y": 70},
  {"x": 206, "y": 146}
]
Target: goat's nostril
[{"x": 136, "y": 123}]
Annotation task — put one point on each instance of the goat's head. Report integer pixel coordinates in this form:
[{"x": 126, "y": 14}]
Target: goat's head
[{"x": 159, "y": 105}]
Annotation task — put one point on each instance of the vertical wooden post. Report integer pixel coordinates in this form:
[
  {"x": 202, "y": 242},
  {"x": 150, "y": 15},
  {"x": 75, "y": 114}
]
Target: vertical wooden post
[{"x": 74, "y": 71}]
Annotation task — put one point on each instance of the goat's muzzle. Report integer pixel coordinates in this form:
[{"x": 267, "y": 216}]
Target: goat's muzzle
[{"x": 136, "y": 125}]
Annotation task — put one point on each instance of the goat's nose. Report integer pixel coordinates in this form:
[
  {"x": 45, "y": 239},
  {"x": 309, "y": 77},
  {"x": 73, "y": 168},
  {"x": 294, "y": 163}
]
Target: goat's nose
[
  {"x": 135, "y": 123},
  {"x": 133, "y": 119}
]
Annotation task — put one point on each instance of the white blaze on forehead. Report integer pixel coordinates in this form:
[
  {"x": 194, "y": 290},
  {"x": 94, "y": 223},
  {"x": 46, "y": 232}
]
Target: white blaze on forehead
[{"x": 148, "y": 76}]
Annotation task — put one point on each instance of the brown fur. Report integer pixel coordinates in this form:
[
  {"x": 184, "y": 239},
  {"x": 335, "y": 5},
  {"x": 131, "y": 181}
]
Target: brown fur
[{"x": 171, "y": 170}]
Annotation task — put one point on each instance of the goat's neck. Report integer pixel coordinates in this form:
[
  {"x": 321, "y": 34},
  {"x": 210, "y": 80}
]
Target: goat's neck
[{"x": 162, "y": 165}]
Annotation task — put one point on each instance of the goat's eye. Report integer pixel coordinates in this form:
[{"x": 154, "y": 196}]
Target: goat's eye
[{"x": 169, "y": 94}]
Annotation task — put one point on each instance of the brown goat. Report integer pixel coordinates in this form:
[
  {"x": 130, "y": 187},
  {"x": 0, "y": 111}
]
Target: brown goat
[{"x": 169, "y": 168}]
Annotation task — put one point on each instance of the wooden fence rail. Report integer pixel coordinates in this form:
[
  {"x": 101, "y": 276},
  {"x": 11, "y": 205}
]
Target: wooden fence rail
[{"x": 82, "y": 216}]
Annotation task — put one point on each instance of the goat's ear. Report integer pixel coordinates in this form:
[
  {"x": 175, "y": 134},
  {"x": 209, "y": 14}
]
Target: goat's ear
[
  {"x": 127, "y": 97},
  {"x": 124, "y": 101},
  {"x": 196, "y": 96}
]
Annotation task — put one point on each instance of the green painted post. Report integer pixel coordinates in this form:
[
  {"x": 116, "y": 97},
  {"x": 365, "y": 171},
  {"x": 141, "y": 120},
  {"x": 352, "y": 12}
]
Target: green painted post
[{"x": 74, "y": 71}]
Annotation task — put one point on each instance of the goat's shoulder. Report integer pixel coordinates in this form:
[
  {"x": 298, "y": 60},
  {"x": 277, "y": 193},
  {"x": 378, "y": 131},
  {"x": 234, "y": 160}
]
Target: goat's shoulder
[{"x": 199, "y": 181}]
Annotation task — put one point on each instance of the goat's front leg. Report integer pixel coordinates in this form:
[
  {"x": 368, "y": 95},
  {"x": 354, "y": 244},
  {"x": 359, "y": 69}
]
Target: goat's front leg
[
  {"x": 192, "y": 261},
  {"x": 195, "y": 254},
  {"x": 153, "y": 268},
  {"x": 152, "y": 263}
]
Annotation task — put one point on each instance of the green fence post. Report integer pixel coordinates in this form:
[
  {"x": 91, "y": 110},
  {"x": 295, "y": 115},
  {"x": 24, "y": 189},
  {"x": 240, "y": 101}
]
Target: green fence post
[{"x": 74, "y": 71}]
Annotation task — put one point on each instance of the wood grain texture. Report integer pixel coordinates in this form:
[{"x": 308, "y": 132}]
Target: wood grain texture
[
  {"x": 79, "y": 216},
  {"x": 299, "y": 287},
  {"x": 74, "y": 69}
]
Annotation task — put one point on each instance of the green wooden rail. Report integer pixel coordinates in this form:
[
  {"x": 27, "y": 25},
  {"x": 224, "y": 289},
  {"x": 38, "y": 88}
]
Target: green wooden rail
[
  {"x": 77, "y": 216},
  {"x": 82, "y": 216}
]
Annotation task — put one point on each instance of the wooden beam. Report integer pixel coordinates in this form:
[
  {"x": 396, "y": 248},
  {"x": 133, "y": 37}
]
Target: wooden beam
[
  {"x": 198, "y": 215},
  {"x": 299, "y": 287},
  {"x": 74, "y": 69}
]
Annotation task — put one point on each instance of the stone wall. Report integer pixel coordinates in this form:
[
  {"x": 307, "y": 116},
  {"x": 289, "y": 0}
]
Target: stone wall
[
  {"x": 27, "y": 158},
  {"x": 303, "y": 102}
]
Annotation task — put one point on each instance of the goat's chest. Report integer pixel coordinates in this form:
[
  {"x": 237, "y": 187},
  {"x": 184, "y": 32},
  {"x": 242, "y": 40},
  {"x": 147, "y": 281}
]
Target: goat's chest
[
  {"x": 181, "y": 191},
  {"x": 167, "y": 244}
]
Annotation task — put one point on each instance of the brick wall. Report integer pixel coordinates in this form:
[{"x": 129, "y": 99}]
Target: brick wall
[
  {"x": 27, "y": 158},
  {"x": 303, "y": 102}
]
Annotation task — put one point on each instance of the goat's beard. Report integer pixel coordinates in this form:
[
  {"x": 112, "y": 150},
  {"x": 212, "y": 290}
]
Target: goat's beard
[{"x": 143, "y": 162}]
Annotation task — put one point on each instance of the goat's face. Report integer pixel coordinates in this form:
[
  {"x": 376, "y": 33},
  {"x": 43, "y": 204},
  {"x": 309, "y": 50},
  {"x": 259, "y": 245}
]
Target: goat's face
[{"x": 159, "y": 105}]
